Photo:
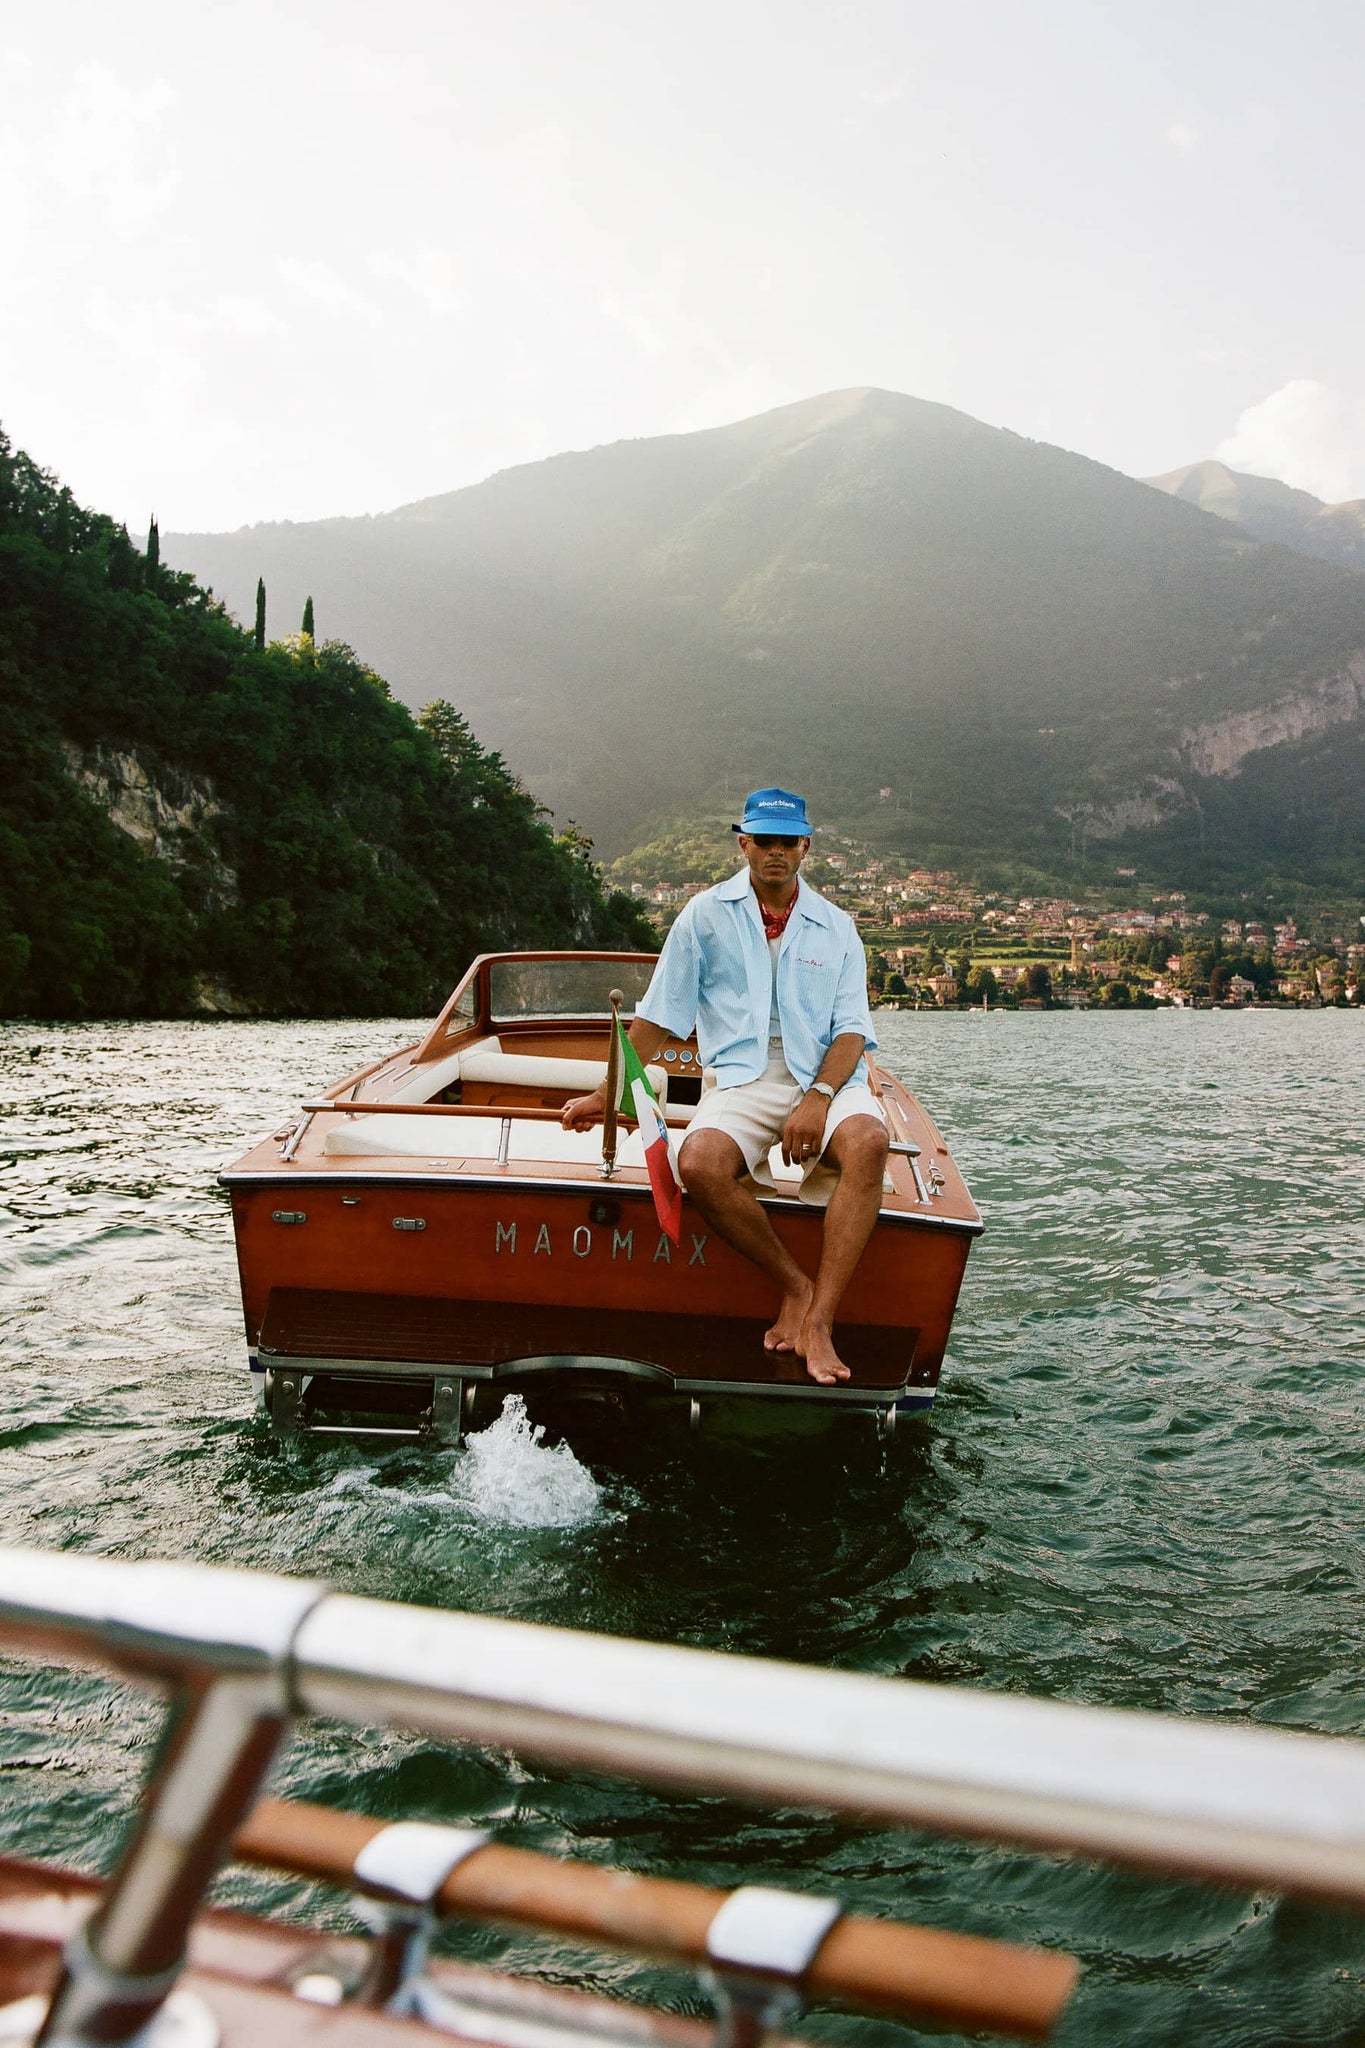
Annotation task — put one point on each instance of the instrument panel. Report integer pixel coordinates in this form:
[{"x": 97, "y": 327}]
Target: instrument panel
[{"x": 680, "y": 1061}]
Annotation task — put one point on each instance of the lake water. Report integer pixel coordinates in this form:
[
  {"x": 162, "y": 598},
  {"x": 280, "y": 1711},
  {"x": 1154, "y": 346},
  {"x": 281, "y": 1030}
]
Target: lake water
[{"x": 1142, "y": 1485}]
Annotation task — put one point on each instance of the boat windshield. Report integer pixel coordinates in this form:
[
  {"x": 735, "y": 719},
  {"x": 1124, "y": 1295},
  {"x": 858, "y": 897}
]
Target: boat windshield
[{"x": 564, "y": 988}]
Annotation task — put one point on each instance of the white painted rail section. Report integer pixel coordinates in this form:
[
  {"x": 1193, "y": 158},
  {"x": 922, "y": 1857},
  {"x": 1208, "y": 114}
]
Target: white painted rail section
[{"x": 1254, "y": 1806}]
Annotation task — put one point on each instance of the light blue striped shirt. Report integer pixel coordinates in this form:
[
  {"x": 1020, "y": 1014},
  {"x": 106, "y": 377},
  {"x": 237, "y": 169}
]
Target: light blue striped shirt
[{"x": 715, "y": 975}]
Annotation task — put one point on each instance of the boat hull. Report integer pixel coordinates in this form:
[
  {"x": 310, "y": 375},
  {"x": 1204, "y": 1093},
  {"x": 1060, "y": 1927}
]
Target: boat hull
[{"x": 411, "y": 1292}]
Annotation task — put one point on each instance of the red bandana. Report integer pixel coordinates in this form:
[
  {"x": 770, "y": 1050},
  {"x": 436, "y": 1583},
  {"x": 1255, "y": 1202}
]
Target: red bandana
[{"x": 775, "y": 921}]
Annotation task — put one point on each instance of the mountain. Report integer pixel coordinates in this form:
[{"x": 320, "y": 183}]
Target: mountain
[
  {"x": 1271, "y": 511},
  {"x": 967, "y": 643},
  {"x": 191, "y": 824}
]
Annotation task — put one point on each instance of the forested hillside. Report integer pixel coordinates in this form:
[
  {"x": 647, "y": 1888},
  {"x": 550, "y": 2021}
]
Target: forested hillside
[
  {"x": 191, "y": 821},
  {"x": 965, "y": 643}
]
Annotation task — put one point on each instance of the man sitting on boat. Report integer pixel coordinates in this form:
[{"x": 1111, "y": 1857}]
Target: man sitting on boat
[{"x": 774, "y": 980}]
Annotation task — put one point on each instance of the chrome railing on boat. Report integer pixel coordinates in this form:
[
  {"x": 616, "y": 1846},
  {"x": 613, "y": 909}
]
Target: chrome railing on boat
[{"x": 242, "y": 1652}]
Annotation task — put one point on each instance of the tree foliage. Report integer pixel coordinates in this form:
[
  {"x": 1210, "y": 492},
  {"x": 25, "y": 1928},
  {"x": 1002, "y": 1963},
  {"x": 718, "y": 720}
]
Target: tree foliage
[{"x": 301, "y": 842}]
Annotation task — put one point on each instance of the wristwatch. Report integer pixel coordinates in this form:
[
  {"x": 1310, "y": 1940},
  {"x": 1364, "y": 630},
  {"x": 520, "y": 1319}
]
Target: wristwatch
[{"x": 821, "y": 1088}]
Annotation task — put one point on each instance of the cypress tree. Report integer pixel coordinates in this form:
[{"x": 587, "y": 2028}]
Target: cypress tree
[
  {"x": 260, "y": 614},
  {"x": 153, "y": 553},
  {"x": 308, "y": 617}
]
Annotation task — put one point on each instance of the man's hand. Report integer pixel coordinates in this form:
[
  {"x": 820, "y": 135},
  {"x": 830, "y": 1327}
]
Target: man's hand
[
  {"x": 586, "y": 1110},
  {"x": 803, "y": 1134}
]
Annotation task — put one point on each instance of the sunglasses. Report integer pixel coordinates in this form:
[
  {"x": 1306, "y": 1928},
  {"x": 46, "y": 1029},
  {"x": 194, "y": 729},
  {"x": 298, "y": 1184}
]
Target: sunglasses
[{"x": 764, "y": 840}]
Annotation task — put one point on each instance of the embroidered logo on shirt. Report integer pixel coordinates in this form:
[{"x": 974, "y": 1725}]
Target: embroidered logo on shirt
[{"x": 804, "y": 960}]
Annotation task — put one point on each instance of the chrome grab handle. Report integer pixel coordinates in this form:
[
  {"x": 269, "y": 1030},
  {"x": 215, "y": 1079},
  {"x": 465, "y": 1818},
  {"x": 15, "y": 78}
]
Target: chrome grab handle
[
  {"x": 400, "y": 1872},
  {"x": 761, "y": 1944},
  {"x": 292, "y": 1144}
]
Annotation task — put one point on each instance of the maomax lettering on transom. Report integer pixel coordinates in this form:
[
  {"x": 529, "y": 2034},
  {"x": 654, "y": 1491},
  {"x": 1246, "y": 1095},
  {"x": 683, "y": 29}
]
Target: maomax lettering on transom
[{"x": 583, "y": 1242}]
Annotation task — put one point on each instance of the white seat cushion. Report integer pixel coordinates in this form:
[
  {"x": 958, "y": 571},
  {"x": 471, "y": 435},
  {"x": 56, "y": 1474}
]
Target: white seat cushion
[
  {"x": 543, "y": 1070},
  {"x": 488, "y": 1064},
  {"x": 475, "y": 1138},
  {"x": 423, "y": 1084}
]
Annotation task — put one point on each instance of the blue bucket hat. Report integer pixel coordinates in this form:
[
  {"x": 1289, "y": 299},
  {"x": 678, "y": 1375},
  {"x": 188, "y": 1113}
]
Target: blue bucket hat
[{"x": 775, "y": 810}]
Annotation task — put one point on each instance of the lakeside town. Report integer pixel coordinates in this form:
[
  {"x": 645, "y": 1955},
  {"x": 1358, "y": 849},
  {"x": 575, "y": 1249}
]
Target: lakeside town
[{"x": 935, "y": 940}]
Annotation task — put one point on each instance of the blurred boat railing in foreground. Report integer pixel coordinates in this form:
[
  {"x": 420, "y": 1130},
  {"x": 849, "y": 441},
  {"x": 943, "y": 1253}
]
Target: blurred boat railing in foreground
[{"x": 243, "y": 1652}]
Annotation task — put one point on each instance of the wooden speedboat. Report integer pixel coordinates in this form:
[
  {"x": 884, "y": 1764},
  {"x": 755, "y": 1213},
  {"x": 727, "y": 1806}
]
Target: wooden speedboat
[{"x": 425, "y": 1234}]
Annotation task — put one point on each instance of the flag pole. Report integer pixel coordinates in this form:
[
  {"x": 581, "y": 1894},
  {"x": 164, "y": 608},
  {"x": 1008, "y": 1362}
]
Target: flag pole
[{"x": 613, "y": 1087}]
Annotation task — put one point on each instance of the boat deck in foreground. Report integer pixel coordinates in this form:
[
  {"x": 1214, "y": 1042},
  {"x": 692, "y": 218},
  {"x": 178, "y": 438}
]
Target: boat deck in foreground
[{"x": 241, "y": 1654}]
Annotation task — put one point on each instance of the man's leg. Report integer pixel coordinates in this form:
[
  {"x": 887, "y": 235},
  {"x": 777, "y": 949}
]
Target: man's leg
[
  {"x": 712, "y": 1166},
  {"x": 858, "y": 1148}
]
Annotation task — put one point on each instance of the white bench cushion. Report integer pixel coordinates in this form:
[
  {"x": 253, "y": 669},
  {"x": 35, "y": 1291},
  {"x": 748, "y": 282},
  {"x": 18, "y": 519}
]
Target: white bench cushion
[
  {"x": 542, "y": 1070},
  {"x": 474, "y": 1138},
  {"x": 488, "y": 1064},
  {"x": 424, "y": 1083}
]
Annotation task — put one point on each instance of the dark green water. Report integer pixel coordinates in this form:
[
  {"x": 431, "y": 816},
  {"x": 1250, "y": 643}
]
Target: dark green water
[{"x": 1142, "y": 1485}]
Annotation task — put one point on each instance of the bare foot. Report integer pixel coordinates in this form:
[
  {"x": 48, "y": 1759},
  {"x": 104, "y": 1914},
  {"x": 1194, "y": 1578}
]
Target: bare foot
[
  {"x": 816, "y": 1345},
  {"x": 785, "y": 1334}
]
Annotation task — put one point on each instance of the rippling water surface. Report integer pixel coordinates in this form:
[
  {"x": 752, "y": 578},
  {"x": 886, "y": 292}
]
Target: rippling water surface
[{"x": 1142, "y": 1485}]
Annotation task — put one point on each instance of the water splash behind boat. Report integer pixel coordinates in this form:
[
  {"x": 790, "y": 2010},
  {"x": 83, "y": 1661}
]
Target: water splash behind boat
[{"x": 510, "y": 1475}]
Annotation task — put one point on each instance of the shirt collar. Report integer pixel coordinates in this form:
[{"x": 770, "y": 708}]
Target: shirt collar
[
  {"x": 808, "y": 902},
  {"x": 811, "y": 904}
]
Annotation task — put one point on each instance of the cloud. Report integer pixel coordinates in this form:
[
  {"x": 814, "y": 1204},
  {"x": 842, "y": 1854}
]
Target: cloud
[
  {"x": 886, "y": 95},
  {"x": 655, "y": 315},
  {"x": 1183, "y": 137},
  {"x": 108, "y": 148},
  {"x": 149, "y": 333},
  {"x": 648, "y": 334},
  {"x": 1305, "y": 434},
  {"x": 313, "y": 279},
  {"x": 166, "y": 341},
  {"x": 428, "y": 273},
  {"x": 356, "y": 70},
  {"x": 233, "y": 313}
]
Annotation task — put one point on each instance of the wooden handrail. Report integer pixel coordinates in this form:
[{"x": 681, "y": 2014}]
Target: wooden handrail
[
  {"x": 521, "y": 1112},
  {"x": 915, "y": 1974}
]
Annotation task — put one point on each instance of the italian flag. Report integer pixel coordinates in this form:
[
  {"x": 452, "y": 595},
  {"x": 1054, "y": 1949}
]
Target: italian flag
[{"x": 638, "y": 1100}]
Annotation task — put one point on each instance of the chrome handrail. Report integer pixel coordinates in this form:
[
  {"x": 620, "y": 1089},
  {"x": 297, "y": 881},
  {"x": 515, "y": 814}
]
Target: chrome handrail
[
  {"x": 1233, "y": 1804},
  {"x": 1248, "y": 1805}
]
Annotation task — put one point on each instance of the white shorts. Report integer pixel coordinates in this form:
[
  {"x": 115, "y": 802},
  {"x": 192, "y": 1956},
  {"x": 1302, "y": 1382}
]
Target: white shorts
[{"x": 755, "y": 1113}]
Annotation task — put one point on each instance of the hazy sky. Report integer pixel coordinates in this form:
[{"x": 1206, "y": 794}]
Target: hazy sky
[{"x": 280, "y": 260}]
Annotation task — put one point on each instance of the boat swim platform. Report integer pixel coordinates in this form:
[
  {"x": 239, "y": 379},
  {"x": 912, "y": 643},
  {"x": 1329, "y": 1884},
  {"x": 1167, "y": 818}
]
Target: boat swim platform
[{"x": 317, "y": 1330}]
